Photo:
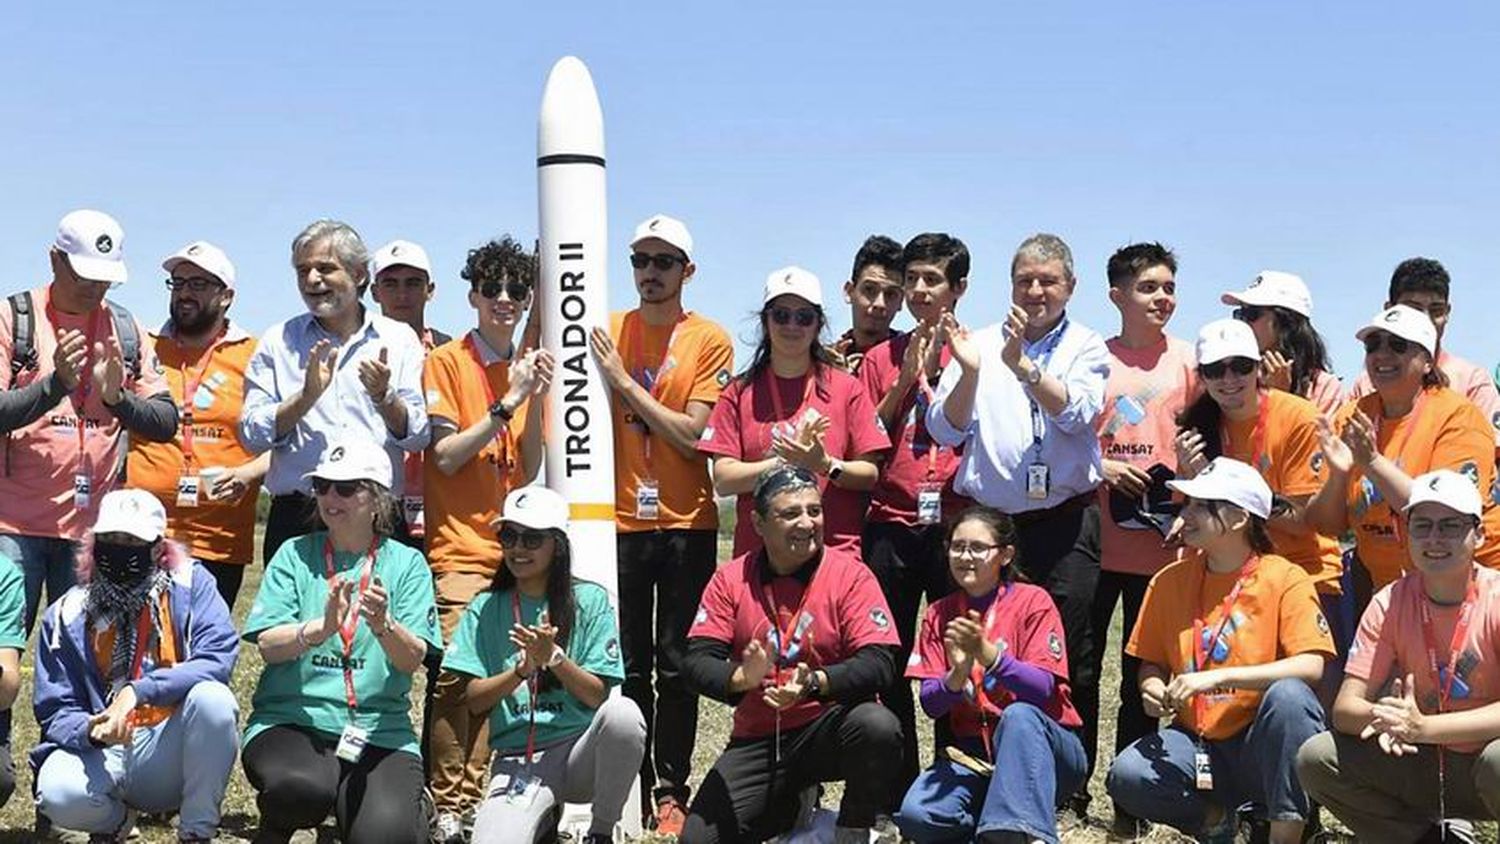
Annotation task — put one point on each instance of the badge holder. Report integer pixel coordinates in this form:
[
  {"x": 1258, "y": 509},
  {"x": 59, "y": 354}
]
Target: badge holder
[
  {"x": 929, "y": 504},
  {"x": 187, "y": 491},
  {"x": 1037, "y": 482},
  {"x": 82, "y": 491},
  {"x": 415, "y": 513},
  {"x": 1203, "y": 769},
  {"x": 352, "y": 743},
  {"x": 647, "y": 500}
]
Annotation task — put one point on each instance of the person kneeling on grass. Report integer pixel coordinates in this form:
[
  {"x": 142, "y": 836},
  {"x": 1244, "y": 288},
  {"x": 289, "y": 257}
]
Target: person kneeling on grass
[
  {"x": 1230, "y": 640},
  {"x": 798, "y": 638},
  {"x": 1416, "y": 727},
  {"x": 343, "y": 618},
  {"x": 132, "y": 669},
  {"x": 539, "y": 651},
  {"x": 992, "y": 658}
]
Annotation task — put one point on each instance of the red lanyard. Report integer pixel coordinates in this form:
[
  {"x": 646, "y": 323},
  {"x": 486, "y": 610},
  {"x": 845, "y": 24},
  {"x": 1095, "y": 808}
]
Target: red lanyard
[
  {"x": 85, "y": 376},
  {"x": 531, "y": 684},
  {"x": 502, "y": 436},
  {"x": 976, "y": 678},
  {"x": 638, "y": 365},
  {"x": 347, "y": 626},
  {"x": 1203, "y": 653},
  {"x": 142, "y": 635},
  {"x": 1257, "y": 436},
  {"x": 784, "y": 636},
  {"x": 190, "y": 385},
  {"x": 1455, "y": 646}
]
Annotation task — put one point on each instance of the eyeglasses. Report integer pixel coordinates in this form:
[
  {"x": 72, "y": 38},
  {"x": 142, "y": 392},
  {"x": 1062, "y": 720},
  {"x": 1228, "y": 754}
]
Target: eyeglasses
[
  {"x": 1239, "y": 366},
  {"x": 516, "y": 291},
  {"x": 196, "y": 284},
  {"x": 661, "y": 260},
  {"x": 1442, "y": 528},
  {"x": 529, "y": 539},
  {"x": 1249, "y": 313},
  {"x": 1397, "y": 345},
  {"x": 978, "y": 550},
  {"x": 805, "y": 316},
  {"x": 345, "y": 489}
]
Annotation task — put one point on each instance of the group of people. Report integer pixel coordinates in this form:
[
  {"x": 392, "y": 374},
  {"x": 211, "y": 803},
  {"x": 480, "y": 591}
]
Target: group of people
[{"x": 1024, "y": 480}]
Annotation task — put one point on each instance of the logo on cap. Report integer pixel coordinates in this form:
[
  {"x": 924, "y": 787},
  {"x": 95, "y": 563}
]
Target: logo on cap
[
  {"x": 103, "y": 243},
  {"x": 1392, "y": 315},
  {"x": 336, "y": 455},
  {"x": 1257, "y": 281},
  {"x": 397, "y": 250},
  {"x": 655, "y": 221},
  {"x": 786, "y": 279},
  {"x": 522, "y": 499},
  {"x": 195, "y": 249},
  {"x": 1433, "y": 484}
]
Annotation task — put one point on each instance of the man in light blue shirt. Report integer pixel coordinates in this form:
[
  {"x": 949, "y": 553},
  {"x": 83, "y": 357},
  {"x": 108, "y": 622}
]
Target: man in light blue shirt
[
  {"x": 1020, "y": 397},
  {"x": 338, "y": 370}
]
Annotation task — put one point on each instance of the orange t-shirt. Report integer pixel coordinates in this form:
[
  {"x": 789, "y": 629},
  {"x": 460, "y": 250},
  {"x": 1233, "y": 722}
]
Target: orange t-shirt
[
  {"x": 1446, "y": 432},
  {"x": 461, "y": 506},
  {"x": 1276, "y": 615},
  {"x": 1289, "y": 458},
  {"x": 162, "y": 653},
  {"x": 218, "y": 531},
  {"x": 695, "y": 369}
]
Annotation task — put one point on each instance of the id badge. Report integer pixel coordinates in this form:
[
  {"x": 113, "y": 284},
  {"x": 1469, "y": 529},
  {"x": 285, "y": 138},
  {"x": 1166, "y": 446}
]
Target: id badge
[
  {"x": 1203, "y": 770},
  {"x": 647, "y": 501},
  {"x": 522, "y": 790},
  {"x": 1037, "y": 484},
  {"x": 83, "y": 489},
  {"x": 187, "y": 491},
  {"x": 929, "y": 504},
  {"x": 352, "y": 743},
  {"x": 415, "y": 513}
]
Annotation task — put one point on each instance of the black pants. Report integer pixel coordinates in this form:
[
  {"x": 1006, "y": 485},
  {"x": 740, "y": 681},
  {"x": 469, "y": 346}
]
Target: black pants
[
  {"x": 7, "y": 767},
  {"x": 662, "y": 575},
  {"x": 1059, "y": 551},
  {"x": 228, "y": 577},
  {"x": 750, "y": 796},
  {"x": 909, "y": 563},
  {"x": 1131, "y": 721},
  {"x": 299, "y": 781},
  {"x": 293, "y": 515}
]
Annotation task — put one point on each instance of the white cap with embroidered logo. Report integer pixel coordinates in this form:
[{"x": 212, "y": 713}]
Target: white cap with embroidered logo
[
  {"x": 133, "y": 511},
  {"x": 1226, "y": 338},
  {"x": 1405, "y": 322},
  {"x": 94, "y": 244},
  {"x": 1224, "y": 479},
  {"x": 669, "y": 230},
  {"x": 402, "y": 253},
  {"x": 205, "y": 256},
  {"x": 1448, "y": 488},
  {"x": 1274, "y": 289},
  {"x": 793, "y": 281},
  {"x": 535, "y": 507},
  {"x": 354, "y": 459}
]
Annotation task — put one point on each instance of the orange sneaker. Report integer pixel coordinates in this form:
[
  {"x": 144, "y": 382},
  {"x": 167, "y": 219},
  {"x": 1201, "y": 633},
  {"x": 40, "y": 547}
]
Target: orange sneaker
[{"x": 670, "y": 816}]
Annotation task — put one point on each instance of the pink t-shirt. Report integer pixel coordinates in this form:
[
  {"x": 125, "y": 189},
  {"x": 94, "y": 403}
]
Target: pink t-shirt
[
  {"x": 740, "y": 427},
  {"x": 1025, "y": 623},
  {"x": 42, "y": 458},
  {"x": 1147, "y": 389},
  {"x": 916, "y": 461},
  {"x": 1391, "y": 643},
  {"x": 842, "y": 611},
  {"x": 1470, "y": 381}
]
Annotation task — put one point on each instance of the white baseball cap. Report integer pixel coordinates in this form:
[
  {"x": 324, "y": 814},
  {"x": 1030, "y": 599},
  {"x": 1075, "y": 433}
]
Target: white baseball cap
[
  {"x": 1229, "y": 480},
  {"x": 667, "y": 229},
  {"x": 94, "y": 244},
  {"x": 400, "y": 253},
  {"x": 206, "y": 256},
  {"x": 1405, "y": 322},
  {"x": 1226, "y": 338},
  {"x": 535, "y": 507},
  {"x": 1448, "y": 488},
  {"x": 1274, "y": 289},
  {"x": 796, "y": 282},
  {"x": 354, "y": 459},
  {"x": 133, "y": 511}
]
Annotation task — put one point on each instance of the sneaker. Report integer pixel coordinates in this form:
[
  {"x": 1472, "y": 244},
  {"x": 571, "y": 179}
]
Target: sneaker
[
  {"x": 1222, "y": 833},
  {"x": 448, "y": 828},
  {"x": 670, "y": 816}
]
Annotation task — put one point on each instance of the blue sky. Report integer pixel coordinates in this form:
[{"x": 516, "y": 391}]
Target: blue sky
[{"x": 1328, "y": 139}]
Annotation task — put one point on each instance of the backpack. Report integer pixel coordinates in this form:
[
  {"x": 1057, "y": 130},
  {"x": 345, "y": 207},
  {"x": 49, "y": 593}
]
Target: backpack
[{"x": 23, "y": 336}]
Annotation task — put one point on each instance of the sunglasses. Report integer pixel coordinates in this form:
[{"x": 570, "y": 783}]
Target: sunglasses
[
  {"x": 516, "y": 291},
  {"x": 345, "y": 489},
  {"x": 529, "y": 539},
  {"x": 196, "y": 284},
  {"x": 1248, "y": 313},
  {"x": 805, "y": 317},
  {"x": 1397, "y": 345},
  {"x": 661, "y": 260},
  {"x": 1239, "y": 366}
]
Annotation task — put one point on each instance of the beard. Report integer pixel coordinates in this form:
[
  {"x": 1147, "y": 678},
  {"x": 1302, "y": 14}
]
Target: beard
[{"x": 194, "y": 321}]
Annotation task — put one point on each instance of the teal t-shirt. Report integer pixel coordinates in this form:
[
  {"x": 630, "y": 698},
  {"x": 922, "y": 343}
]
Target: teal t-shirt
[
  {"x": 481, "y": 647},
  {"x": 12, "y": 605},
  {"x": 309, "y": 691}
]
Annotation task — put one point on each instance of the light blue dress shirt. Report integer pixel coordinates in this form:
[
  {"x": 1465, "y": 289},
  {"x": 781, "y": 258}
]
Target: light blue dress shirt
[
  {"x": 344, "y": 410},
  {"x": 1001, "y": 438}
]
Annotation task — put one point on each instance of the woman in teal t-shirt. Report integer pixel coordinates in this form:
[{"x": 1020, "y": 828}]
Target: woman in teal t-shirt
[
  {"x": 342, "y": 619},
  {"x": 543, "y": 651}
]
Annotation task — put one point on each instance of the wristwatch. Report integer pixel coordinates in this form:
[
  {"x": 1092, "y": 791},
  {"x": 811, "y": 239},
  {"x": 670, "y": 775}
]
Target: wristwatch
[
  {"x": 814, "y": 686},
  {"x": 557, "y": 657},
  {"x": 499, "y": 411},
  {"x": 1034, "y": 374},
  {"x": 835, "y": 469}
]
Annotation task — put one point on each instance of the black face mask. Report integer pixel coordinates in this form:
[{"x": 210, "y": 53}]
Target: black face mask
[{"x": 123, "y": 564}]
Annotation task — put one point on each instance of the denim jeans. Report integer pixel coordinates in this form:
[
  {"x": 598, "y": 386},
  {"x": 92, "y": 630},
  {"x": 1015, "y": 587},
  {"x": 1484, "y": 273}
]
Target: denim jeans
[
  {"x": 1038, "y": 765},
  {"x": 1154, "y": 778},
  {"x": 48, "y": 559}
]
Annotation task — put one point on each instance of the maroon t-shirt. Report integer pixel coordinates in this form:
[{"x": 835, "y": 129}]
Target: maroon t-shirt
[{"x": 841, "y": 611}]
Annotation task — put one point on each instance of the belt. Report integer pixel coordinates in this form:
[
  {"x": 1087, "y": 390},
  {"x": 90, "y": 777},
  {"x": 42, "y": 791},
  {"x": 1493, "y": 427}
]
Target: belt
[{"x": 1077, "y": 502}]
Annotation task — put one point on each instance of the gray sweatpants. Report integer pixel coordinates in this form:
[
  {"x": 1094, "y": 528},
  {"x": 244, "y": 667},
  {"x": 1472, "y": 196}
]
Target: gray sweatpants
[{"x": 597, "y": 766}]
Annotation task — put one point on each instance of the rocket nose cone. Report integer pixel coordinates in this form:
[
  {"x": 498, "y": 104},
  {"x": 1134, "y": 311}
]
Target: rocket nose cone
[{"x": 571, "y": 122}]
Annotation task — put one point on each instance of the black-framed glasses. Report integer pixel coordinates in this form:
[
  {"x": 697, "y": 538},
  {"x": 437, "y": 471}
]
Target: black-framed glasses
[
  {"x": 529, "y": 539},
  {"x": 1239, "y": 366},
  {"x": 516, "y": 291},
  {"x": 805, "y": 317},
  {"x": 196, "y": 284},
  {"x": 661, "y": 260},
  {"x": 345, "y": 489},
  {"x": 978, "y": 550},
  {"x": 1248, "y": 313},
  {"x": 1397, "y": 345}
]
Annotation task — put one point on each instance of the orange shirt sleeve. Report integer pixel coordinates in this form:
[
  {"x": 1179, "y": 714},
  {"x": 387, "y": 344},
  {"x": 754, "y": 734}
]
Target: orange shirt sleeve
[
  {"x": 1149, "y": 641},
  {"x": 440, "y": 383},
  {"x": 715, "y": 363},
  {"x": 1302, "y": 628},
  {"x": 1464, "y": 444},
  {"x": 1301, "y": 464}
]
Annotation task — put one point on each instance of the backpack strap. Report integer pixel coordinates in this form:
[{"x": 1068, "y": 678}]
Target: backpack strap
[
  {"x": 23, "y": 335},
  {"x": 128, "y": 336}
]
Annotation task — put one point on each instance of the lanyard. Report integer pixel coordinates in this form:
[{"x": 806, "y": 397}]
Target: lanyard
[
  {"x": 788, "y": 642},
  {"x": 347, "y": 626},
  {"x": 1455, "y": 649},
  {"x": 1043, "y": 356},
  {"x": 1257, "y": 435},
  {"x": 926, "y": 397},
  {"x": 190, "y": 385},
  {"x": 85, "y": 375},
  {"x": 976, "y": 679},
  {"x": 638, "y": 365},
  {"x": 777, "y": 408},
  {"x": 502, "y": 436},
  {"x": 1203, "y": 653},
  {"x": 531, "y": 684}
]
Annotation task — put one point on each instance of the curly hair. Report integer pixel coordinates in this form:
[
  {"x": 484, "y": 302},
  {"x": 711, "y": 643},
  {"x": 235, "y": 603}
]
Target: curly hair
[{"x": 500, "y": 260}]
